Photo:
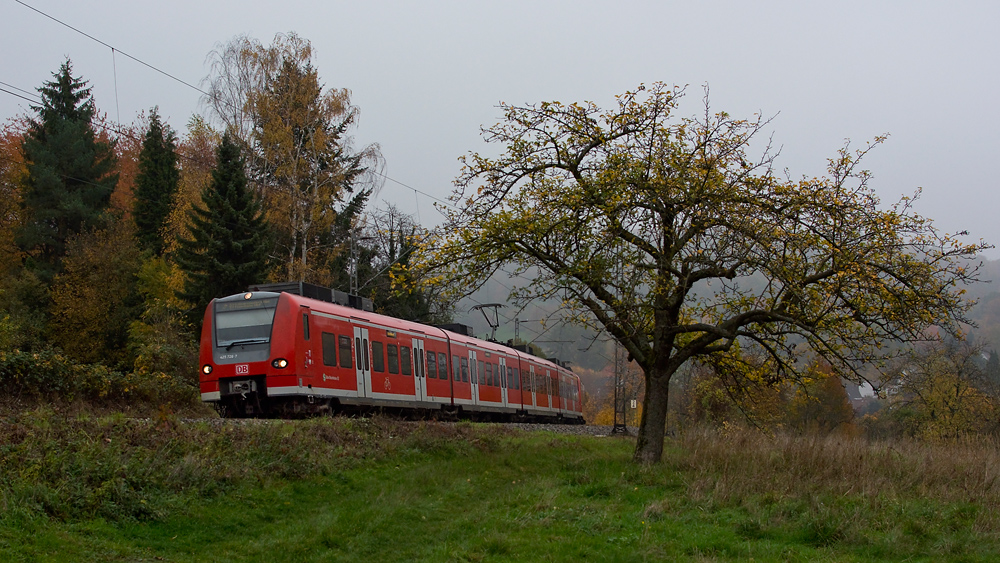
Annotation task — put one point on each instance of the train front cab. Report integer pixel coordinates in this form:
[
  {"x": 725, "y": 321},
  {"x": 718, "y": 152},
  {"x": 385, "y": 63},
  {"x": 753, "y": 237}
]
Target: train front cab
[{"x": 239, "y": 357}]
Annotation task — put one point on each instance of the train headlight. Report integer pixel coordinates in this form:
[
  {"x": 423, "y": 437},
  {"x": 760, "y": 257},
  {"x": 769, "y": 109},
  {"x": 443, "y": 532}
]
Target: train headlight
[
  {"x": 280, "y": 363},
  {"x": 206, "y": 369}
]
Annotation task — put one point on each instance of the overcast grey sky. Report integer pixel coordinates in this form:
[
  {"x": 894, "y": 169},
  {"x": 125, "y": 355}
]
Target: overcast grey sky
[{"x": 427, "y": 75}]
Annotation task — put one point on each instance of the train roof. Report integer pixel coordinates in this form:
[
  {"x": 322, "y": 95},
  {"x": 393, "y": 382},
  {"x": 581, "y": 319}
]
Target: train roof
[{"x": 410, "y": 326}]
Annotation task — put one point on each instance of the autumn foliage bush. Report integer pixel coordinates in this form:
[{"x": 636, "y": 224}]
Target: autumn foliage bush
[
  {"x": 51, "y": 376},
  {"x": 817, "y": 403}
]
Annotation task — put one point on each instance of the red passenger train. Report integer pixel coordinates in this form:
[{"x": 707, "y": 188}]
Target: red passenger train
[{"x": 278, "y": 354}]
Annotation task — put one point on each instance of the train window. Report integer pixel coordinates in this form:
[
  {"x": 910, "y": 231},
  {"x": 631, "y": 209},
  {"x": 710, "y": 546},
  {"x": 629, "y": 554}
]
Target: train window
[
  {"x": 364, "y": 349},
  {"x": 305, "y": 325},
  {"x": 246, "y": 322},
  {"x": 329, "y": 349},
  {"x": 442, "y": 365},
  {"x": 465, "y": 370},
  {"x": 357, "y": 349},
  {"x": 454, "y": 364},
  {"x": 345, "y": 351},
  {"x": 393, "y": 358},
  {"x": 497, "y": 376},
  {"x": 431, "y": 365},
  {"x": 481, "y": 372},
  {"x": 404, "y": 358},
  {"x": 489, "y": 374},
  {"x": 378, "y": 357},
  {"x": 512, "y": 378}
]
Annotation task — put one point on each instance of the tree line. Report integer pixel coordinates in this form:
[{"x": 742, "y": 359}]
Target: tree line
[{"x": 113, "y": 239}]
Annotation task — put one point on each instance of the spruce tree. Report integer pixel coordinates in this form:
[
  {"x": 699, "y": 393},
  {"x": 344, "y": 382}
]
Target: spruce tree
[
  {"x": 156, "y": 183},
  {"x": 70, "y": 171},
  {"x": 229, "y": 245}
]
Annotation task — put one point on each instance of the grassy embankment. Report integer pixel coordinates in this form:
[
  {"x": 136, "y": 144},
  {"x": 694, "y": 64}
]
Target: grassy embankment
[{"x": 113, "y": 489}]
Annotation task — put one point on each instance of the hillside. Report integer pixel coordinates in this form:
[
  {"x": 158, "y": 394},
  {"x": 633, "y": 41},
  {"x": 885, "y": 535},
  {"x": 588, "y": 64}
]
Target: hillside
[{"x": 116, "y": 489}]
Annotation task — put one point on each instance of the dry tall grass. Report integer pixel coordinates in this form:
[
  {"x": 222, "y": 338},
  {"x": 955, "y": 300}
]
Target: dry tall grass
[
  {"x": 747, "y": 462},
  {"x": 849, "y": 483}
]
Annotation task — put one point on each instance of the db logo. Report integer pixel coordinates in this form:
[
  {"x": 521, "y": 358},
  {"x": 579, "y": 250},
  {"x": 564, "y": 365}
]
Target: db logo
[{"x": 242, "y": 369}]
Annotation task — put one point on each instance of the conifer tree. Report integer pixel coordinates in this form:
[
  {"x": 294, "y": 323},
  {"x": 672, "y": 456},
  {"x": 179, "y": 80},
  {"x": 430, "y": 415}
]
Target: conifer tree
[
  {"x": 70, "y": 171},
  {"x": 156, "y": 183},
  {"x": 229, "y": 244}
]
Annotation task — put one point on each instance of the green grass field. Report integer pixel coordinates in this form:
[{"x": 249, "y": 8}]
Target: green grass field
[{"x": 111, "y": 489}]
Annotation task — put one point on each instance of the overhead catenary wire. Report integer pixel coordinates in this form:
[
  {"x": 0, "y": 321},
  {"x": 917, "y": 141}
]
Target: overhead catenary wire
[
  {"x": 415, "y": 190},
  {"x": 22, "y": 90},
  {"x": 114, "y": 67},
  {"x": 91, "y": 37},
  {"x": 15, "y": 94},
  {"x": 175, "y": 78}
]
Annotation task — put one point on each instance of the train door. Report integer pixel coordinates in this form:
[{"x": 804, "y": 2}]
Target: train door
[
  {"x": 419, "y": 371},
  {"x": 503, "y": 380},
  {"x": 473, "y": 377},
  {"x": 532, "y": 386},
  {"x": 550, "y": 397},
  {"x": 306, "y": 357},
  {"x": 362, "y": 366}
]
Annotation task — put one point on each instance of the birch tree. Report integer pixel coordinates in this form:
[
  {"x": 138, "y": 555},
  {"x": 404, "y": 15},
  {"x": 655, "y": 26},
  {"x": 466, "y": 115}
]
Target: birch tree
[{"x": 300, "y": 152}]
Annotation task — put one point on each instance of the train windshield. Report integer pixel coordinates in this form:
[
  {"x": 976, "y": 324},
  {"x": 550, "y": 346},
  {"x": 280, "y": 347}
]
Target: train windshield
[{"x": 244, "y": 322}]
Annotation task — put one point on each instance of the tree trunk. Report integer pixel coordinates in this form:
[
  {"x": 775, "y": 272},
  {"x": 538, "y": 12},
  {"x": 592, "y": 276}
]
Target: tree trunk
[{"x": 652, "y": 426}]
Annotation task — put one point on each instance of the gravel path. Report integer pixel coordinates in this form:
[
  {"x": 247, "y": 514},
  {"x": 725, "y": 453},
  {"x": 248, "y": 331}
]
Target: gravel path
[{"x": 578, "y": 429}]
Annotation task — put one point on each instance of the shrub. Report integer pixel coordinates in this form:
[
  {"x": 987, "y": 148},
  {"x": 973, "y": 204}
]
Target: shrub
[{"x": 50, "y": 376}]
